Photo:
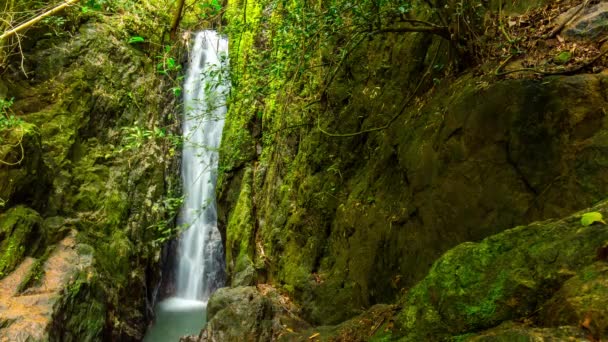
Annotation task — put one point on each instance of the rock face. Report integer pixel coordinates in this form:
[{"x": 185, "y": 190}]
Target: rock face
[
  {"x": 467, "y": 170},
  {"x": 342, "y": 216},
  {"x": 90, "y": 153},
  {"x": 546, "y": 280},
  {"x": 31, "y": 295}
]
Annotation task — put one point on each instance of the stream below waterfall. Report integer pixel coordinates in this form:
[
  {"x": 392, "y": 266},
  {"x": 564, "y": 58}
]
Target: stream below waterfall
[{"x": 200, "y": 260}]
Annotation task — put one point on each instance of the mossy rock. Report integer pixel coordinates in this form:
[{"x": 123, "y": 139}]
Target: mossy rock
[
  {"x": 80, "y": 314},
  {"x": 476, "y": 286},
  {"x": 22, "y": 171},
  {"x": 583, "y": 299},
  {"x": 20, "y": 235}
]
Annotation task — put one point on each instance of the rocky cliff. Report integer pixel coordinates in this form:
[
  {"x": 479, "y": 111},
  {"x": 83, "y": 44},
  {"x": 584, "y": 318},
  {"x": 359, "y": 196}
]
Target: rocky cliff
[
  {"x": 87, "y": 174},
  {"x": 353, "y": 161}
]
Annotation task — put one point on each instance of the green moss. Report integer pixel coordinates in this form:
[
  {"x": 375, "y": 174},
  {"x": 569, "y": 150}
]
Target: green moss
[
  {"x": 36, "y": 272},
  {"x": 240, "y": 243},
  {"x": 562, "y": 58},
  {"x": 20, "y": 235},
  {"x": 478, "y": 285},
  {"x": 80, "y": 314}
]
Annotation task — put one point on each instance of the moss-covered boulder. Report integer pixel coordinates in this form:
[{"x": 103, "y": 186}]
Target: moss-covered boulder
[
  {"x": 20, "y": 235},
  {"x": 512, "y": 275}
]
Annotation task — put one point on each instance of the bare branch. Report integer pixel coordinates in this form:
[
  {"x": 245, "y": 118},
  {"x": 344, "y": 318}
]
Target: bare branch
[{"x": 33, "y": 21}]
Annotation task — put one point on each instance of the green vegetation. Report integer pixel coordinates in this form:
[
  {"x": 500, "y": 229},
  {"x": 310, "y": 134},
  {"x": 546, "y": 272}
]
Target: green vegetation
[
  {"x": 374, "y": 152},
  {"x": 20, "y": 235},
  {"x": 36, "y": 272}
]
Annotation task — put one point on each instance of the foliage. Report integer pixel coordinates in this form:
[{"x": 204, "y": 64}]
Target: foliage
[
  {"x": 590, "y": 218},
  {"x": 136, "y": 39},
  {"x": 7, "y": 118},
  {"x": 210, "y": 8},
  {"x": 166, "y": 229},
  {"x": 134, "y": 137},
  {"x": 168, "y": 66}
]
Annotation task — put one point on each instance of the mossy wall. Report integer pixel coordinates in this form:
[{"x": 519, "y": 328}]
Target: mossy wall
[
  {"x": 342, "y": 223},
  {"x": 99, "y": 132}
]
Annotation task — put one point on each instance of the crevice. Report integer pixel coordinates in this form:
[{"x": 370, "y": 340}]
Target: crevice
[{"x": 518, "y": 171}]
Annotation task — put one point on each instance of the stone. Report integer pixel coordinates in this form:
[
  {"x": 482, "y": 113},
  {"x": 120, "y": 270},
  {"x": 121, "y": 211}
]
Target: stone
[
  {"x": 583, "y": 299},
  {"x": 29, "y": 315},
  {"x": 249, "y": 313},
  {"x": 589, "y": 25}
]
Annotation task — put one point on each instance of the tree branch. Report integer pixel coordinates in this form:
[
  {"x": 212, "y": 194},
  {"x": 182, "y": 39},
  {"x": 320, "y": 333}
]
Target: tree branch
[{"x": 33, "y": 21}]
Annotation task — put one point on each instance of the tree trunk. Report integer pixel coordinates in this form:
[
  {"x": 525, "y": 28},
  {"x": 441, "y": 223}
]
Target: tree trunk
[{"x": 177, "y": 17}]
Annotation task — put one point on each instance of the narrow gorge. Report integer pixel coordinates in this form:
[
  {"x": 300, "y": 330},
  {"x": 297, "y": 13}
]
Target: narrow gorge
[{"x": 218, "y": 170}]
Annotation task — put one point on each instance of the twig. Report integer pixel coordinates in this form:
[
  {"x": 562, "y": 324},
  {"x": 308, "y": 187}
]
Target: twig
[
  {"x": 20, "y": 143},
  {"x": 502, "y": 26}
]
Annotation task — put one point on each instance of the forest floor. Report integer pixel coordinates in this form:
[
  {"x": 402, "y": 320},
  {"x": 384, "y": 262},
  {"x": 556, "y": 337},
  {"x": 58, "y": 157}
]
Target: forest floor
[{"x": 564, "y": 37}]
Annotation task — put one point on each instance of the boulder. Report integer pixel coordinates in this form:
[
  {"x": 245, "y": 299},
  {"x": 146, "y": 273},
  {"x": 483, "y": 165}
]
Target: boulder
[
  {"x": 546, "y": 266},
  {"x": 249, "y": 313},
  {"x": 589, "y": 25}
]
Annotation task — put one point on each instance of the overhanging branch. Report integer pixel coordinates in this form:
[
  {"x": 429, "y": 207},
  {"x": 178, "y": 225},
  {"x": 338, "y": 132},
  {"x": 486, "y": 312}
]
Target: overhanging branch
[{"x": 37, "y": 19}]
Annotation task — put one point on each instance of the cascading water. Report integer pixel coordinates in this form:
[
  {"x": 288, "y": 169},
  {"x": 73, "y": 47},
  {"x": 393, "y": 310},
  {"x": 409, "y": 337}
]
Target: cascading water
[
  {"x": 200, "y": 268},
  {"x": 200, "y": 264}
]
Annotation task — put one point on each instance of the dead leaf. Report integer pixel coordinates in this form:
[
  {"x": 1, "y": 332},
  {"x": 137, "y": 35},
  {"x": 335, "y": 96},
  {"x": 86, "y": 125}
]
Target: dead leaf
[{"x": 587, "y": 322}]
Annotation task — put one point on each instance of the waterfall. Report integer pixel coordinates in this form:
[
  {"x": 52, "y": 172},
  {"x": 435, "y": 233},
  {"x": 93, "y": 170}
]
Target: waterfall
[
  {"x": 200, "y": 257},
  {"x": 200, "y": 268}
]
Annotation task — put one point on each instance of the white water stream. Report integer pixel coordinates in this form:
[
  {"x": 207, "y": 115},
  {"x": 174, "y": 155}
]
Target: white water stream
[{"x": 200, "y": 264}]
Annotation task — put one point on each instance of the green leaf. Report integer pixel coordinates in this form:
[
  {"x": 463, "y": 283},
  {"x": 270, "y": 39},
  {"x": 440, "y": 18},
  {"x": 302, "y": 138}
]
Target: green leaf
[
  {"x": 177, "y": 91},
  {"x": 136, "y": 39},
  {"x": 171, "y": 62},
  {"x": 592, "y": 217}
]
